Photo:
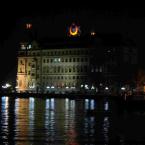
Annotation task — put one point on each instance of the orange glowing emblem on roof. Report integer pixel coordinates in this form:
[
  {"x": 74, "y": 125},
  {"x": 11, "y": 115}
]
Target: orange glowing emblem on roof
[{"x": 74, "y": 30}]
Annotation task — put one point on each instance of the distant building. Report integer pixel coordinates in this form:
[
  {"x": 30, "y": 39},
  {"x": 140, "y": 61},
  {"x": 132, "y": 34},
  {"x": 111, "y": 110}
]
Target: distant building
[{"x": 93, "y": 63}]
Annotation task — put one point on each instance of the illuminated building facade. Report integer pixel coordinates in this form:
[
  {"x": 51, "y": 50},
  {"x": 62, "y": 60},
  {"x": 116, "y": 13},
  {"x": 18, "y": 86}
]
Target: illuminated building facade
[
  {"x": 48, "y": 69},
  {"x": 74, "y": 64}
]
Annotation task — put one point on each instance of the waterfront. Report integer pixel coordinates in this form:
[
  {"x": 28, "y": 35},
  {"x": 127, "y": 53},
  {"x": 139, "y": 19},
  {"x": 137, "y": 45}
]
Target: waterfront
[{"x": 35, "y": 121}]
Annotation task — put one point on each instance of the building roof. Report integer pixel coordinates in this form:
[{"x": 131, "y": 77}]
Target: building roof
[{"x": 87, "y": 41}]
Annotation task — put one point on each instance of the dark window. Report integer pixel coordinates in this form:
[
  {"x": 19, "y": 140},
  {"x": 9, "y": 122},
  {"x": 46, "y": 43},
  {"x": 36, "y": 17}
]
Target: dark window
[
  {"x": 32, "y": 74},
  {"x": 69, "y": 69},
  {"x": 33, "y": 66},
  {"x": 21, "y": 62}
]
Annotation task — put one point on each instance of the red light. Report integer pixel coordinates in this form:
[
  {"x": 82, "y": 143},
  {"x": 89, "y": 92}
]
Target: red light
[{"x": 28, "y": 26}]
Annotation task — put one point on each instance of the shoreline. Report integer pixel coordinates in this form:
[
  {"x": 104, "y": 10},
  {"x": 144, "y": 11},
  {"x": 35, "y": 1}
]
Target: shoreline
[{"x": 71, "y": 96}]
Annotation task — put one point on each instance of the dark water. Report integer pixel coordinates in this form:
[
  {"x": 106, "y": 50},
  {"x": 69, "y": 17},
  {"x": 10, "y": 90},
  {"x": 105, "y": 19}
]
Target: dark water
[{"x": 35, "y": 121}]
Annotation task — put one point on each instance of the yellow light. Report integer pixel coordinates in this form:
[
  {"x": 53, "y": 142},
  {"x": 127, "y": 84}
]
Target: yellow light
[
  {"x": 75, "y": 32},
  {"x": 93, "y": 33}
]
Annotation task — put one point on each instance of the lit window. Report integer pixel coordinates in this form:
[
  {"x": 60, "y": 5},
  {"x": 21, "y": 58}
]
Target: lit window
[
  {"x": 23, "y": 47},
  {"x": 93, "y": 33},
  {"x": 59, "y": 59},
  {"x": 29, "y": 46},
  {"x": 100, "y": 69}
]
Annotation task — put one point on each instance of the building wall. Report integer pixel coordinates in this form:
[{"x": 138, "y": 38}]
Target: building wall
[
  {"x": 70, "y": 69},
  {"x": 50, "y": 69}
]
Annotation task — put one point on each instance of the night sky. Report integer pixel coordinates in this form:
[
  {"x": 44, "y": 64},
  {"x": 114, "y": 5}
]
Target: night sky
[{"x": 127, "y": 19}]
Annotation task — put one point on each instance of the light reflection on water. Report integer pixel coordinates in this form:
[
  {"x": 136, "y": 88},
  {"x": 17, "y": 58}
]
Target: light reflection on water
[
  {"x": 58, "y": 121},
  {"x": 4, "y": 117}
]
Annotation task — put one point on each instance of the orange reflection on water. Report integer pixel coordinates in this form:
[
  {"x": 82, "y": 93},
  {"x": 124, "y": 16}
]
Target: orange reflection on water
[{"x": 22, "y": 118}]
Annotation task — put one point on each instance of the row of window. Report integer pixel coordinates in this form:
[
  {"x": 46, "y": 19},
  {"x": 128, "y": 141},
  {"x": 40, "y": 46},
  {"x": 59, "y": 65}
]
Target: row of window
[
  {"x": 48, "y": 85},
  {"x": 64, "y": 52},
  {"x": 65, "y": 69},
  {"x": 57, "y": 60},
  {"x": 46, "y": 78}
]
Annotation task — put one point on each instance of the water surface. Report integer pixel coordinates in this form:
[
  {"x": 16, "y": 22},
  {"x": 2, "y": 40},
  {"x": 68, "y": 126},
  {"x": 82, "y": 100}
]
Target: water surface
[{"x": 37, "y": 121}]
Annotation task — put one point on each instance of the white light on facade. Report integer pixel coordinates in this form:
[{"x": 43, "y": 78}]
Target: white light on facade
[
  {"x": 7, "y": 85},
  {"x": 31, "y": 87},
  {"x": 29, "y": 46},
  {"x": 100, "y": 69},
  {"x": 86, "y": 87},
  {"x": 106, "y": 88},
  {"x": 23, "y": 47},
  {"x": 58, "y": 59},
  {"x": 82, "y": 86},
  {"x": 73, "y": 87},
  {"x": 67, "y": 87},
  {"x": 92, "y": 88},
  {"x": 52, "y": 87},
  {"x": 47, "y": 87},
  {"x": 4, "y": 87},
  {"x": 123, "y": 88}
]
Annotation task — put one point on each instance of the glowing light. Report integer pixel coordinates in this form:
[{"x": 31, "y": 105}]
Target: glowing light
[
  {"x": 73, "y": 87},
  {"x": 28, "y": 26},
  {"x": 74, "y": 30},
  {"x": 93, "y": 33},
  {"x": 123, "y": 88},
  {"x": 82, "y": 86},
  {"x": 92, "y": 88},
  {"x": 29, "y": 46},
  {"x": 58, "y": 59},
  {"x": 106, "y": 88},
  {"x": 106, "y": 106},
  {"x": 31, "y": 87},
  {"x": 7, "y": 85},
  {"x": 23, "y": 47},
  {"x": 86, "y": 87}
]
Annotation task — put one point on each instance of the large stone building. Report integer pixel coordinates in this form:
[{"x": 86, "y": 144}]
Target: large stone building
[
  {"x": 51, "y": 69},
  {"x": 90, "y": 63}
]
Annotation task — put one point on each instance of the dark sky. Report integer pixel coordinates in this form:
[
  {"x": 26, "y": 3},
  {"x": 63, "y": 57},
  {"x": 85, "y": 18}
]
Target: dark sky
[{"x": 106, "y": 17}]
